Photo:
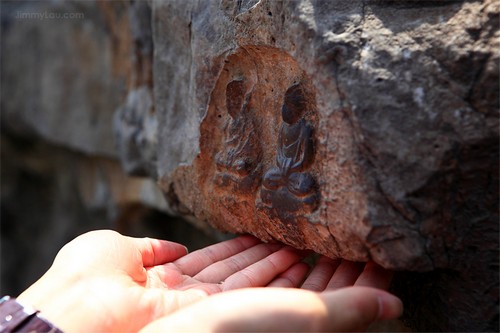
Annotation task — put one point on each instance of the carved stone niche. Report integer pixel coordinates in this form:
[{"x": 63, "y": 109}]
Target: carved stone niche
[
  {"x": 258, "y": 147},
  {"x": 261, "y": 167}
]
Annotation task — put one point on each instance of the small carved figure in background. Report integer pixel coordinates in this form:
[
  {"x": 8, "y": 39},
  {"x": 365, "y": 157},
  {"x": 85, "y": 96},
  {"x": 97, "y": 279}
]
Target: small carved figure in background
[
  {"x": 287, "y": 185},
  {"x": 237, "y": 163}
]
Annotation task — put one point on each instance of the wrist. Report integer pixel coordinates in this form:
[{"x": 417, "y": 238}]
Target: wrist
[
  {"x": 59, "y": 298},
  {"x": 17, "y": 317}
]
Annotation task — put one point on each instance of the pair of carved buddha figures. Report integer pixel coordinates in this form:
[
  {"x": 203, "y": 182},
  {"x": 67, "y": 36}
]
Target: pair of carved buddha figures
[{"x": 287, "y": 186}]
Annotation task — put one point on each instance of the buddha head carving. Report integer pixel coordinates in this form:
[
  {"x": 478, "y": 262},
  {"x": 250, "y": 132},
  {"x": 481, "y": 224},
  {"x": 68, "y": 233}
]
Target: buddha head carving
[{"x": 294, "y": 104}]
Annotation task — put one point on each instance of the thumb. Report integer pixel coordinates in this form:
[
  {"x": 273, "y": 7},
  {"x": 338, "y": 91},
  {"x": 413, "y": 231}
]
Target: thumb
[
  {"x": 355, "y": 308},
  {"x": 280, "y": 309}
]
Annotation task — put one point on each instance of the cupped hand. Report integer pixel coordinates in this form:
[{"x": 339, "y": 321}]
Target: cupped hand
[
  {"x": 337, "y": 295},
  {"x": 103, "y": 281}
]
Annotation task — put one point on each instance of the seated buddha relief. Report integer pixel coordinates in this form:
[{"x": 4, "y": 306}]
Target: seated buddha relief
[
  {"x": 238, "y": 162},
  {"x": 288, "y": 185}
]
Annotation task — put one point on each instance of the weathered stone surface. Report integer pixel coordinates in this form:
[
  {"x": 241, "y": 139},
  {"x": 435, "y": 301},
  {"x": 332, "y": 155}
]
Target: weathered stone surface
[
  {"x": 392, "y": 104},
  {"x": 135, "y": 122}
]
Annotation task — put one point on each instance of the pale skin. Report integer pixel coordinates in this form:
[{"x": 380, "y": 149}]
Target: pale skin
[{"x": 105, "y": 282}]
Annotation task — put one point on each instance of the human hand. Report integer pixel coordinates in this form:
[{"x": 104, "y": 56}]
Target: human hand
[
  {"x": 325, "y": 303},
  {"x": 103, "y": 281}
]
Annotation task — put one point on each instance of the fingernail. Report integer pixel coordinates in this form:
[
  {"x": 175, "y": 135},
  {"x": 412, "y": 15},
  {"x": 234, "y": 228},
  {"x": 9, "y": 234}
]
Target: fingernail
[
  {"x": 187, "y": 250},
  {"x": 389, "y": 307}
]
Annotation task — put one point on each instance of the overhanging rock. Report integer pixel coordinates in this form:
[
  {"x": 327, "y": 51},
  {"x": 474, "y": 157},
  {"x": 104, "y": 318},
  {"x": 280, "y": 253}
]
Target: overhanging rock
[{"x": 335, "y": 126}]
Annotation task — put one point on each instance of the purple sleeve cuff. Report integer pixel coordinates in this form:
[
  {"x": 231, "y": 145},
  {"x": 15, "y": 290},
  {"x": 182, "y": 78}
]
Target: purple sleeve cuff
[{"x": 15, "y": 317}]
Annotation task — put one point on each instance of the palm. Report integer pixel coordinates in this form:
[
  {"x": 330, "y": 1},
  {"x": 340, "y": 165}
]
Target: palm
[
  {"x": 238, "y": 263},
  {"x": 140, "y": 280}
]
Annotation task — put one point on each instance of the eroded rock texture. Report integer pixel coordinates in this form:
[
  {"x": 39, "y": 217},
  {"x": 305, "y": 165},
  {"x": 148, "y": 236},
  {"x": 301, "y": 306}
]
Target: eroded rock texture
[{"x": 360, "y": 129}]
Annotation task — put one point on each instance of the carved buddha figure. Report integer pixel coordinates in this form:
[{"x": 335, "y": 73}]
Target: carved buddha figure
[
  {"x": 239, "y": 158},
  {"x": 294, "y": 155}
]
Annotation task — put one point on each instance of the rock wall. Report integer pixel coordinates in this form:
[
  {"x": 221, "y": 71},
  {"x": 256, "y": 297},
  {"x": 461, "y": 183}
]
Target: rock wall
[{"x": 359, "y": 129}]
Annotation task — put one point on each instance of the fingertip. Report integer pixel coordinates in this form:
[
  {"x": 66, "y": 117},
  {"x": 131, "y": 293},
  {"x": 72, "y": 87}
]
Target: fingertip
[
  {"x": 158, "y": 251},
  {"x": 390, "y": 307}
]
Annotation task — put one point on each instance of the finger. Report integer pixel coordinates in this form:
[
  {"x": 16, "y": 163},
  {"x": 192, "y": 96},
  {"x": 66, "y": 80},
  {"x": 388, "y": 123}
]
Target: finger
[
  {"x": 292, "y": 277},
  {"x": 280, "y": 309},
  {"x": 346, "y": 274},
  {"x": 220, "y": 270},
  {"x": 158, "y": 252},
  {"x": 321, "y": 274},
  {"x": 355, "y": 308},
  {"x": 264, "y": 271},
  {"x": 375, "y": 276},
  {"x": 196, "y": 261}
]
